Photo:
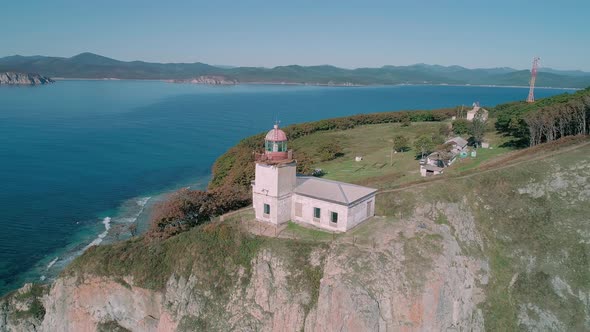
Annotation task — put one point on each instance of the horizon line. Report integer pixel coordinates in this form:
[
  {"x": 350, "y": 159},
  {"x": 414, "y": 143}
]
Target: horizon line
[{"x": 287, "y": 65}]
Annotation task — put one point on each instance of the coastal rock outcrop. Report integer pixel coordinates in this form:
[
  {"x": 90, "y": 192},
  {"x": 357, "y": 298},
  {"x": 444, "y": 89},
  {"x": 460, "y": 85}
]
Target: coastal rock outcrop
[
  {"x": 13, "y": 78},
  {"x": 209, "y": 79}
]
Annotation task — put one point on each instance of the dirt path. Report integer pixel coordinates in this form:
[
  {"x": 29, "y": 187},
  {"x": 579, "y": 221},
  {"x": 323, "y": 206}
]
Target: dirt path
[{"x": 471, "y": 174}]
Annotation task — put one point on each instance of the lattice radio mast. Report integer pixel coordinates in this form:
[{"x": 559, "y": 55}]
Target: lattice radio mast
[{"x": 531, "y": 97}]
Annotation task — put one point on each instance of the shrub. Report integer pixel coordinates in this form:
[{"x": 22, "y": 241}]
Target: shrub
[
  {"x": 461, "y": 127},
  {"x": 188, "y": 208},
  {"x": 329, "y": 150}
]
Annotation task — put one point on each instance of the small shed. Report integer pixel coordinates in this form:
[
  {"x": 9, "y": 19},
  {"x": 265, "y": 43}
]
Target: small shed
[{"x": 459, "y": 144}]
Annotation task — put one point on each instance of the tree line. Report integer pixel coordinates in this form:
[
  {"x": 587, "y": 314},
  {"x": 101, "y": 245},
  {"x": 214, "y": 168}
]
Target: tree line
[{"x": 545, "y": 120}]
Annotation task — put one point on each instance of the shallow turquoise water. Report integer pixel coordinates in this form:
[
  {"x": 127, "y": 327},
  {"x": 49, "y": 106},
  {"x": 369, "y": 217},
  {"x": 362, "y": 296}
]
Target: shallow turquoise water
[{"x": 76, "y": 152}]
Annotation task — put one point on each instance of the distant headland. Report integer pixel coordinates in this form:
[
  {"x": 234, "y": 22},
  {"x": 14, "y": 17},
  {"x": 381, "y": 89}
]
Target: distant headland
[
  {"x": 14, "y": 78},
  {"x": 93, "y": 66}
]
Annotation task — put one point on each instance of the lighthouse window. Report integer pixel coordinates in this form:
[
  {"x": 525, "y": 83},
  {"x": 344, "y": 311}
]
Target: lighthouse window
[
  {"x": 266, "y": 209},
  {"x": 282, "y": 146},
  {"x": 268, "y": 145}
]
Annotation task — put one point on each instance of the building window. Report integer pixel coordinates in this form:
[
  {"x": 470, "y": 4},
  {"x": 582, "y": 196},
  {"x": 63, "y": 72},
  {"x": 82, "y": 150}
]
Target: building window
[
  {"x": 266, "y": 209},
  {"x": 316, "y": 213},
  {"x": 334, "y": 217}
]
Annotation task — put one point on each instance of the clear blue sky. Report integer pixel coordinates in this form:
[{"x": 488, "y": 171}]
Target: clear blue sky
[{"x": 269, "y": 33}]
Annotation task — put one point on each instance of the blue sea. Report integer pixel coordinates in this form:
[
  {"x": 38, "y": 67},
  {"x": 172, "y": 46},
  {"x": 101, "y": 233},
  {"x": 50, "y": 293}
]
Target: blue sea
[{"x": 80, "y": 157}]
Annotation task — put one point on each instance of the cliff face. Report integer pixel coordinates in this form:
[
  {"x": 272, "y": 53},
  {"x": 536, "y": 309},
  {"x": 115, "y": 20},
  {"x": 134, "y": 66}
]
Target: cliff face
[
  {"x": 12, "y": 78},
  {"x": 391, "y": 276}
]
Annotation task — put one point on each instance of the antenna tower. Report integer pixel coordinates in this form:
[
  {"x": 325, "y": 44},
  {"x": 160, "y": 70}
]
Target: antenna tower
[{"x": 531, "y": 97}]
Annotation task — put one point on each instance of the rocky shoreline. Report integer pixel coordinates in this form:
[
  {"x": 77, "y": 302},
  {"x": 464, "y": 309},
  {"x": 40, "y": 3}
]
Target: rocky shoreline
[
  {"x": 208, "y": 79},
  {"x": 14, "y": 78}
]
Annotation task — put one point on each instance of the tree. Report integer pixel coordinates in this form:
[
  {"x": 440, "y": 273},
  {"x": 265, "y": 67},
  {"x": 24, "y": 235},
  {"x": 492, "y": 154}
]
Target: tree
[
  {"x": 444, "y": 130},
  {"x": 406, "y": 120},
  {"x": 461, "y": 112},
  {"x": 461, "y": 126},
  {"x": 401, "y": 143},
  {"x": 424, "y": 145},
  {"x": 478, "y": 127}
]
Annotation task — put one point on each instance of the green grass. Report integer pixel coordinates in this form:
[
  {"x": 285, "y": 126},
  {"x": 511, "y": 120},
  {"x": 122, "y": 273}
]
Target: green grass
[
  {"x": 212, "y": 252},
  {"x": 379, "y": 167},
  {"x": 441, "y": 219},
  {"x": 297, "y": 231},
  {"x": 374, "y": 143}
]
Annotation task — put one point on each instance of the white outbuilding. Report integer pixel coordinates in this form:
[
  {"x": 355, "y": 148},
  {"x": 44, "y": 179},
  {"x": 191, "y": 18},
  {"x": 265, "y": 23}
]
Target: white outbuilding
[
  {"x": 280, "y": 195},
  {"x": 477, "y": 111}
]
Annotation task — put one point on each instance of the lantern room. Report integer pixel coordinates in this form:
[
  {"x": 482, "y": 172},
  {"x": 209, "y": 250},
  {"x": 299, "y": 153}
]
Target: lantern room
[{"x": 275, "y": 144}]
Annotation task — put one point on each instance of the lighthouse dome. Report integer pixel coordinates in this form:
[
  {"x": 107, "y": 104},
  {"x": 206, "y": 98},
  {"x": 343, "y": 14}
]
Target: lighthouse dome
[{"x": 276, "y": 135}]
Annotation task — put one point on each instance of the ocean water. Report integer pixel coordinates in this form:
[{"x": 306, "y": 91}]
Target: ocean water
[{"x": 79, "y": 157}]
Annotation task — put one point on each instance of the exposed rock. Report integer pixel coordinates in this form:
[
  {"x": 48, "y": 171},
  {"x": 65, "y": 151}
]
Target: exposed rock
[
  {"x": 405, "y": 275},
  {"x": 209, "y": 79},
  {"x": 12, "y": 78},
  {"x": 22, "y": 310}
]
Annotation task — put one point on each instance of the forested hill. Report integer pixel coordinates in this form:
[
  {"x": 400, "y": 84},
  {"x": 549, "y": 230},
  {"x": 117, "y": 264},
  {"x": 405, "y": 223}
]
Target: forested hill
[
  {"x": 546, "y": 119},
  {"x": 88, "y": 65}
]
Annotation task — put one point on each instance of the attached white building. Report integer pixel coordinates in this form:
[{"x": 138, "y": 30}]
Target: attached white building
[
  {"x": 473, "y": 112},
  {"x": 279, "y": 195}
]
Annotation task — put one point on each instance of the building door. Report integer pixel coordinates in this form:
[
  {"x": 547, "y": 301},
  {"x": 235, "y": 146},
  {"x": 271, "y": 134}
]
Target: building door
[
  {"x": 369, "y": 209},
  {"x": 298, "y": 209}
]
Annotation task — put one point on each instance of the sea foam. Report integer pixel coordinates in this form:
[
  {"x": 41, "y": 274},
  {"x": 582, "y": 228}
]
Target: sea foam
[
  {"x": 52, "y": 262},
  {"x": 107, "y": 225}
]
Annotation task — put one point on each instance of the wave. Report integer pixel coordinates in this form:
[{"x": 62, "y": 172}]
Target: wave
[
  {"x": 141, "y": 202},
  {"x": 52, "y": 262},
  {"x": 107, "y": 225}
]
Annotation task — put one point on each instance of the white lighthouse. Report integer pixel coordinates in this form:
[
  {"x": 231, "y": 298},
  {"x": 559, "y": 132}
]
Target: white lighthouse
[
  {"x": 275, "y": 179},
  {"x": 280, "y": 195}
]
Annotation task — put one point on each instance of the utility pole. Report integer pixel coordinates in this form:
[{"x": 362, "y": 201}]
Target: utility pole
[{"x": 391, "y": 160}]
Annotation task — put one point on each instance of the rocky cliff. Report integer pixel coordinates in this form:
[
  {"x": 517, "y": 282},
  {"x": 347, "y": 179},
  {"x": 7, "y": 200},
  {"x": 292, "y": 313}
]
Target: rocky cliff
[
  {"x": 497, "y": 250},
  {"x": 12, "y": 78},
  {"x": 409, "y": 275},
  {"x": 209, "y": 79}
]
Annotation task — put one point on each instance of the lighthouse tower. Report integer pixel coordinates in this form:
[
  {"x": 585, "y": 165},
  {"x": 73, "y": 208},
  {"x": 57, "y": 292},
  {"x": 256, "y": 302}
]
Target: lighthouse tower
[{"x": 275, "y": 179}]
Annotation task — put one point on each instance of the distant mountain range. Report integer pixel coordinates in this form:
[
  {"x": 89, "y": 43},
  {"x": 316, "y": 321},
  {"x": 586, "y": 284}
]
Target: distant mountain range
[{"x": 89, "y": 65}]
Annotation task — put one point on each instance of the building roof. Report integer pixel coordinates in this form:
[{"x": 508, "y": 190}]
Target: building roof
[
  {"x": 441, "y": 155},
  {"x": 276, "y": 135},
  {"x": 334, "y": 191},
  {"x": 477, "y": 108},
  {"x": 459, "y": 141}
]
